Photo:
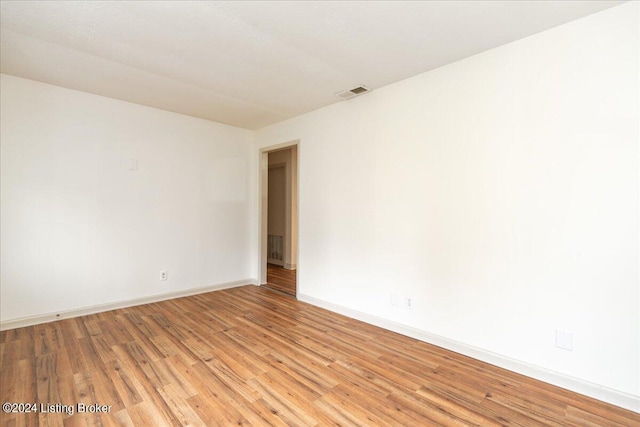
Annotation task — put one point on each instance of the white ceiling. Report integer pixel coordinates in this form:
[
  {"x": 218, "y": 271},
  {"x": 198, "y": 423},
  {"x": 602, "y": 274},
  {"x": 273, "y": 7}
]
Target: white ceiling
[{"x": 250, "y": 64}]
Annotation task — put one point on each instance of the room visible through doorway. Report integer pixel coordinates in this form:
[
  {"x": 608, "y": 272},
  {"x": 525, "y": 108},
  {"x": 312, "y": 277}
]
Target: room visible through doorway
[{"x": 281, "y": 221}]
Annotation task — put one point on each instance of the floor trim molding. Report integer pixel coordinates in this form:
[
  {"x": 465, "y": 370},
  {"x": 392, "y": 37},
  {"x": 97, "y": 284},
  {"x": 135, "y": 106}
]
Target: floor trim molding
[
  {"x": 83, "y": 311},
  {"x": 596, "y": 391}
]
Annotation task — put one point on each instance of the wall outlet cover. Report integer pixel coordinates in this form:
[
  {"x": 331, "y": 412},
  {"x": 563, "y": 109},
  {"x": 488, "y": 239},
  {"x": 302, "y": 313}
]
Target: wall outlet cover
[
  {"x": 564, "y": 339},
  {"x": 395, "y": 299}
]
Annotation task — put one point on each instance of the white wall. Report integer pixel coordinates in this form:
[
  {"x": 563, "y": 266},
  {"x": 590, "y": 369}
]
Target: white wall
[
  {"x": 79, "y": 229},
  {"x": 499, "y": 192}
]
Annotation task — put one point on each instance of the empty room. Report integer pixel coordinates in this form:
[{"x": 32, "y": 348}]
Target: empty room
[{"x": 317, "y": 213}]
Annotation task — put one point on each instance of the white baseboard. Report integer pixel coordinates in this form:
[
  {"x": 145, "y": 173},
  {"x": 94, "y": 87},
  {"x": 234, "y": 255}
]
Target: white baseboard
[
  {"x": 596, "y": 391},
  {"x": 275, "y": 262},
  {"x": 289, "y": 266},
  {"x": 83, "y": 311}
]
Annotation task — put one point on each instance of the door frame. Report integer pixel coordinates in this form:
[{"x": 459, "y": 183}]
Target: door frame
[{"x": 263, "y": 192}]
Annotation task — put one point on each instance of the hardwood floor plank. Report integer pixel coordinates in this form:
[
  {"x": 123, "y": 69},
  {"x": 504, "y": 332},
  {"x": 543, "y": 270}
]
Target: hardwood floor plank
[
  {"x": 122, "y": 418},
  {"x": 217, "y": 394},
  {"x": 341, "y": 404},
  {"x": 146, "y": 414},
  {"x": 47, "y": 387},
  {"x": 379, "y": 374},
  {"x": 305, "y": 370},
  {"x": 122, "y": 380},
  {"x": 279, "y": 405},
  {"x": 252, "y": 356},
  {"x": 179, "y": 406},
  {"x": 382, "y": 410},
  {"x": 231, "y": 380},
  {"x": 207, "y": 411},
  {"x": 427, "y": 402},
  {"x": 144, "y": 386},
  {"x": 281, "y": 279},
  {"x": 426, "y": 412},
  {"x": 337, "y": 414},
  {"x": 542, "y": 415},
  {"x": 282, "y": 342},
  {"x": 299, "y": 396},
  {"x": 323, "y": 349},
  {"x": 352, "y": 380},
  {"x": 223, "y": 346}
]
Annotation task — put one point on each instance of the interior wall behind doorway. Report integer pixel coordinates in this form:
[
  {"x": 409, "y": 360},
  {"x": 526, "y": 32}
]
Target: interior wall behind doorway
[
  {"x": 276, "y": 215},
  {"x": 282, "y": 228}
]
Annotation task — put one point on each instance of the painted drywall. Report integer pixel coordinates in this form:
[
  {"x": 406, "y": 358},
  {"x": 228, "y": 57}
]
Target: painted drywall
[
  {"x": 500, "y": 193},
  {"x": 79, "y": 228}
]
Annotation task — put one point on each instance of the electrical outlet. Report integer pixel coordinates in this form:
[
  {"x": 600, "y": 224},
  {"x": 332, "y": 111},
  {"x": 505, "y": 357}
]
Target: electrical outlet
[
  {"x": 564, "y": 339},
  {"x": 408, "y": 303},
  {"x": 163, "y": 275}
]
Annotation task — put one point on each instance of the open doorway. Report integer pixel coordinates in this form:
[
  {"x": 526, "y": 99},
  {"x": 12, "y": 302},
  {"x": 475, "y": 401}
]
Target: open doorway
[{"x": 279, "y": 218}]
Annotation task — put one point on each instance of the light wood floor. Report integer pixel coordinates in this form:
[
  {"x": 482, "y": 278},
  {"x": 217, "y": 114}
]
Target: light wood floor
[
  {"x": 251, "y": 356},
  {"x": 281, "y": 279}
]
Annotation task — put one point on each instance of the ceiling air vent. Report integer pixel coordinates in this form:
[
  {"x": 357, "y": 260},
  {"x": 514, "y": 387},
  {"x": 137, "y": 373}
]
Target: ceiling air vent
[{"x": 347, "y": 94}]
